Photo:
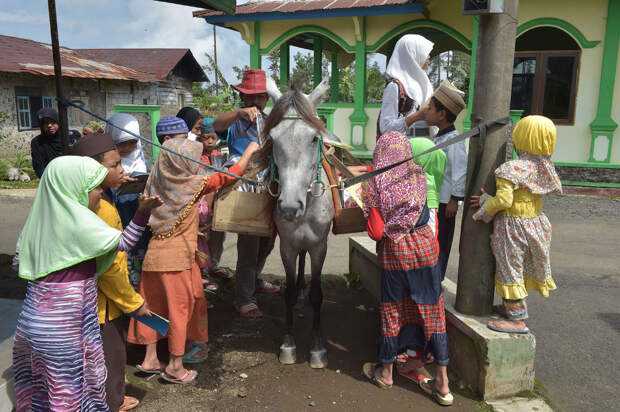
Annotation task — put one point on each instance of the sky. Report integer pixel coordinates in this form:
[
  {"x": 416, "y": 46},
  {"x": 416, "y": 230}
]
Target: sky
[{"x": 124, "y": 24}]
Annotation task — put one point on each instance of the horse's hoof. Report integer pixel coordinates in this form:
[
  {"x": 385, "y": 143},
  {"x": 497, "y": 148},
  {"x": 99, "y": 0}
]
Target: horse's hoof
[
  {"x": 288, "y": 354},
  {"x": 318, "y": 359}
]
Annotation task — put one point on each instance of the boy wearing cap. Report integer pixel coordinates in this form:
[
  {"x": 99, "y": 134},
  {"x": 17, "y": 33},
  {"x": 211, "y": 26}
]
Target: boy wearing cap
[
  {"x": 170, "y": 127},
  {"x": 238, "y": 127},
  {"x": 446, "y": 103}
]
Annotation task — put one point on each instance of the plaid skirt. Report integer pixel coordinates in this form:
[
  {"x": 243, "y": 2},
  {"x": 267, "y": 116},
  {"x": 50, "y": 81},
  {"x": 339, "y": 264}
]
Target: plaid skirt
[{"x": 412, "y": 311}]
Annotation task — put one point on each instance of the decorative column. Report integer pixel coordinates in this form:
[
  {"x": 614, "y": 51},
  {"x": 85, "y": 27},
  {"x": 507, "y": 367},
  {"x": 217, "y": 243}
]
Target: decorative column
[
  {"x": 359, "y": 118},
  {"x": 472, "y": 74},
  {"x": 284, "y": 65},
  {"x": 334, "y": 92},
  {"x": 603, "y": 126},
  {"x": 255, "y": 58},
  {"x": 317, "y": 46}
]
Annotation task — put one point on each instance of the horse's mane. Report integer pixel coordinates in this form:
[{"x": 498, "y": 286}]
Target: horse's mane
[{"x": 296, "y": 99}]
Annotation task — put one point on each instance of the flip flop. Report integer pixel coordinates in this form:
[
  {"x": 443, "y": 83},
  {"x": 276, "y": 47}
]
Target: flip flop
[
  {"x": 161, "y": 368},
  {"x": 498, "y": 329},
  {"x": 249, "y": 310},
  {"x": 129, "y": 402},
  {"x": 443, "y": 400},
  {"x": 368, "y": 370},
  {"x": 414, "y": 375},
  {"x": 189, "y": 356},
  {"x": 188, "y": 376},
  {"x": 268, "y": 287}
]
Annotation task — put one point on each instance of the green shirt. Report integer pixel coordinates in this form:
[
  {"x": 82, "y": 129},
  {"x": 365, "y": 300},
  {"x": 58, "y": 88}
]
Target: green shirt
[{"x": 433, "y": 164}]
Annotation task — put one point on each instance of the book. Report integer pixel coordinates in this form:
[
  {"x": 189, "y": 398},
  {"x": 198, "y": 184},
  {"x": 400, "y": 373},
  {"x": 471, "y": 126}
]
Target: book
[{"x": 155, "y": 322}]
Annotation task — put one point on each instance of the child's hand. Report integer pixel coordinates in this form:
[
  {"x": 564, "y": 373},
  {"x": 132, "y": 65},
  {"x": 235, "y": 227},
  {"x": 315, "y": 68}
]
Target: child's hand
[
  {"x": 252, "y": 148},
  {"x": 148, "y": 203},
  {"x": 474, "y": 201},
  {"x": 143, "y": 311},
  {"x": 125, "y": 178}
]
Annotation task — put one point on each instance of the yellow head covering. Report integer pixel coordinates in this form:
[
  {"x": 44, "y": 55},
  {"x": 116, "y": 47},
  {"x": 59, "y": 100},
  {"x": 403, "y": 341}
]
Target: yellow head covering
[{"x": 535, "y": 134}]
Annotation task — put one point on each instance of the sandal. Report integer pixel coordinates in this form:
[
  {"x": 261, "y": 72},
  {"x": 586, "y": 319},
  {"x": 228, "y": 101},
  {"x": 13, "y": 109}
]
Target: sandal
[
  {"x": 431, "y": 389},
  {"x": 249, "y": 310},
  {"x": 129, "y": 402},
  {"x": 188, "y": 376},
  {"x": 368, "y": 370},
  {"x": 414, "y": 374},
  {"x": 267, "y": 287},
  {"x": 493, "y": 325},
  {"x": 189, "y": 356},
  {"x": 209, "y": 286},
  {"x": 221, "y": 273},
  {"x": 162, "y": 367}
]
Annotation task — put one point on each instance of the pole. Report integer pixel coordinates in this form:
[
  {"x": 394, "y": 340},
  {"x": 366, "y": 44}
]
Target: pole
[
  {"x": 215, "y": 59},
  {"x": 62, "y": 109},
  {"x": 492, "y": 89}
]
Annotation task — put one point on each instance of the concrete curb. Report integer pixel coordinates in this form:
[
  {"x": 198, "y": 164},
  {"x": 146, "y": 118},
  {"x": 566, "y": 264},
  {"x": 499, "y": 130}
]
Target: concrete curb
[{"x": 18, "y": 193}]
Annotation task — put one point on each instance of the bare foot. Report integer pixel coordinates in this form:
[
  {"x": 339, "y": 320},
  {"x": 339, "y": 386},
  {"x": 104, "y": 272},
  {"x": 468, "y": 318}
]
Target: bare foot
[
  {"x": 384, "y": 374},
  {"x": 153, "y": 364},
  {"x": 175, "y": 373}
]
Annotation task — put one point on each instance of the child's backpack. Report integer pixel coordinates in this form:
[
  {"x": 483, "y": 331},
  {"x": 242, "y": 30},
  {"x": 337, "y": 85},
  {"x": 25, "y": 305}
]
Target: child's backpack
[{"x": 405, "y": 103}]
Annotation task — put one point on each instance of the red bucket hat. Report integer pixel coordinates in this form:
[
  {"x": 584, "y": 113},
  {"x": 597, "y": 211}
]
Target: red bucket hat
[{"x": 253, "y": 82}]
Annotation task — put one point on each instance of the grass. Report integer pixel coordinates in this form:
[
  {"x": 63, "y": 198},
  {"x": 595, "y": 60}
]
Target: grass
[{"x": 16, "y": 184}]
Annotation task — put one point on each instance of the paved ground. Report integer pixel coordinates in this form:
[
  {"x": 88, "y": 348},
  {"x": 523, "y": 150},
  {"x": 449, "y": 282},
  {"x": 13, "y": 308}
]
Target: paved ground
[{"x": 577, "y": 329}]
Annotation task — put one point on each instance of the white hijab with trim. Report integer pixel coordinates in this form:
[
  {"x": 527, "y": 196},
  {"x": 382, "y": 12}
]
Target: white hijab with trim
[
  {"x": 406, "y": 63},
  {"x": 135, "y": 161}
]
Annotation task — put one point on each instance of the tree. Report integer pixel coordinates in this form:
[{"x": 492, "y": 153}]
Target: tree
[
  {"x": 451, "y": 65},
  {"x": 375, "y": 82}
]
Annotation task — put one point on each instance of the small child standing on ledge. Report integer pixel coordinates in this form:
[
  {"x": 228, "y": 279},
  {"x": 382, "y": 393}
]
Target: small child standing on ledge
[{"x": 521, "y": 231}]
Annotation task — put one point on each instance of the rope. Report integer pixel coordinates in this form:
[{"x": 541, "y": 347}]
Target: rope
[{"x": 77, "y": 105}]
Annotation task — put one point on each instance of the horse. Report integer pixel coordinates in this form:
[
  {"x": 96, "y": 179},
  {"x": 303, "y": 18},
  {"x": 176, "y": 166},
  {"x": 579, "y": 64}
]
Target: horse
[{"x": 303, "y": 219}]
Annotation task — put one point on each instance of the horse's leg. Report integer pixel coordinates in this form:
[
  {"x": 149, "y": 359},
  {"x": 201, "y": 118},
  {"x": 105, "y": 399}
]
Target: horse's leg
[
  {"x": 288, "y": 349},
  {"x": 318, "y": 353},
  {"x": 301, "y": 281}
]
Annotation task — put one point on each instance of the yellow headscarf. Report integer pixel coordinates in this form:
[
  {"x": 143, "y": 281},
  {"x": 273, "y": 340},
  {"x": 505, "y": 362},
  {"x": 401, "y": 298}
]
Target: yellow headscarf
[{"x": 535, "y": 134}]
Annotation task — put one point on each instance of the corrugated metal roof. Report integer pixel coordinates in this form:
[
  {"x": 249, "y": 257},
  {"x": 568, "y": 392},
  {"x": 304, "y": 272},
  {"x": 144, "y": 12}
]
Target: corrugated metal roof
[
  {"x": 29, "y": 56},
  {"x": 292, "y": 6}
]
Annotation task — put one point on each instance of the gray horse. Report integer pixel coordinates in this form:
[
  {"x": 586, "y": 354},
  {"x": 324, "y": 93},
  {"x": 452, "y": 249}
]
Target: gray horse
[{"x": 303, "y": 221}]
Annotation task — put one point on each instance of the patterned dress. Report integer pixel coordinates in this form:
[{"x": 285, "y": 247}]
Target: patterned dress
[{"x": 521, "y": 237}]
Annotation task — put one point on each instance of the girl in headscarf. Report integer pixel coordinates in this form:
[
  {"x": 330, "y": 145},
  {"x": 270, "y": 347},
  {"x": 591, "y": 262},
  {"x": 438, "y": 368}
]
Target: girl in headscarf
[
  {"x": 193, "y": 120},
  {"x": 171, "y": 280},
  {"x": 521, "y": 231},
  {"x": 48, "y": 146},
  {"x": 412, "y": 312},
  {"x": 408, "y": 88},
  {"x": 132, "y": 159},
  {"x": 57, "y": 354},
  {"x": 210, "y": 242}
]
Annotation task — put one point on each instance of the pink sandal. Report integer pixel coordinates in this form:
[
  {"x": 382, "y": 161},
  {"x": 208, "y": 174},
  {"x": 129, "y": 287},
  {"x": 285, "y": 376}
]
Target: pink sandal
[{"x": 268, "y": 287}]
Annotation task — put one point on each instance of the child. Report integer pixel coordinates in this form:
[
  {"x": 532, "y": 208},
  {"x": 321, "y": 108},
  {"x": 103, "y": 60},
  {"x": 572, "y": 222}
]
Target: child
[
  {"x": 411, "y": 310},
  {"x": 193, "y": 120},
  {"x": 209, "y": 242},
  {"x": 170, "y": 127},
  {"x": 170, "y": 274},
  {"x": 521, "y": 231},
  {"x": 116, "y": 295},
  {"x": 132, "y": 159},
  {"x": 57, "y": 354},
  {"x": 446, "y": 103}
]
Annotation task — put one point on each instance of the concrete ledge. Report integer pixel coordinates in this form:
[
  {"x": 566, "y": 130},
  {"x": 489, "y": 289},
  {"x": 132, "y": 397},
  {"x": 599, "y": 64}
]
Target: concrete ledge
[{"x": 494, "y": 364}]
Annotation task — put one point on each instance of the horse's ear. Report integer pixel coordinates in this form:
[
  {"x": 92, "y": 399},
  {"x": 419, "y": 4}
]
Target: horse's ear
[
  {"x": 316, "y": 97},
  {"x": 330, "y": 138},
  {"x": 272, "y": 89}
]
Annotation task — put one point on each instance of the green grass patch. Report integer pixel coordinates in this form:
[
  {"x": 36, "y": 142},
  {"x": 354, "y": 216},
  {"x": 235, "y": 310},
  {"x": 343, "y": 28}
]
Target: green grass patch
[{"x": 16, "y": 184}]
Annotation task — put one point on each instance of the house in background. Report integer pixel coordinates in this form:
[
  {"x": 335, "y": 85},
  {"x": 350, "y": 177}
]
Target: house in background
[
  {"x": 101, "y": 78},
  {"x": 566, "y": 64}
]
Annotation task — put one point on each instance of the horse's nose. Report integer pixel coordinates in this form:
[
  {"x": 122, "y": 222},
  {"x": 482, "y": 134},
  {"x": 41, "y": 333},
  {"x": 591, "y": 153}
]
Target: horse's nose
[{"x": 290, "y": 210}]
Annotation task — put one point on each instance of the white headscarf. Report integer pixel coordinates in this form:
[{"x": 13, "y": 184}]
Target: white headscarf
[
  {"x": 406, "y": 63},
  {"x": 135, "y": 161}
]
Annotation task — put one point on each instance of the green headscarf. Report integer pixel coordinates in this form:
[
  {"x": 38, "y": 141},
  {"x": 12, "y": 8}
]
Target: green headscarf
[
  {"x": 433, "y": 164},
  {"x": 61, "y": 231}
]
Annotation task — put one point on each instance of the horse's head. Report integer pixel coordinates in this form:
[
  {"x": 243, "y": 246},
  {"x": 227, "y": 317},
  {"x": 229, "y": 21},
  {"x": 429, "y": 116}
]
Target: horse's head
[{"x": 296, "y": 133}]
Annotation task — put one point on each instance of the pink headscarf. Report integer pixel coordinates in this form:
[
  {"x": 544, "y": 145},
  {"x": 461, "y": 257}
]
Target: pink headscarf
[{"x": 399, "y": 193}]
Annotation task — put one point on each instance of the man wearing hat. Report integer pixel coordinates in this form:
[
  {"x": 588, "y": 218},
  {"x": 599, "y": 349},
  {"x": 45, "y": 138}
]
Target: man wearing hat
[
  {"x": 446, "y": 103},
  {"x": 48, "y": 146},
  {"x": 239, "y": 129}
]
